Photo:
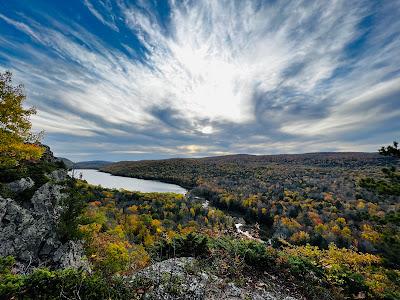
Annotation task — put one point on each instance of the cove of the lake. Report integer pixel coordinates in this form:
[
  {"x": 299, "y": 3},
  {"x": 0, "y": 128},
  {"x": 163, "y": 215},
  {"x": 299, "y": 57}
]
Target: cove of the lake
[{"x": 106, "y": 180}]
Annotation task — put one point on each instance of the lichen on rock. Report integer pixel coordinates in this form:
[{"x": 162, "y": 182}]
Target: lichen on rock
[{"x": 18, "y": 186}]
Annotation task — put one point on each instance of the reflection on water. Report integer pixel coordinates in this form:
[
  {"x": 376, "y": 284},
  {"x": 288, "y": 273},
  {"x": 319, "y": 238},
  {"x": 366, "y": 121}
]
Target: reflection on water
[{"x": 106, "y": 180}]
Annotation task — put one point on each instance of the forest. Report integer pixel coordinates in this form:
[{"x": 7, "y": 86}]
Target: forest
[
  {"x": 312, "y": 201},
  {"x": 315, "y": 199},
  {"x": 351, "y": 246},
  {"x": 324, "y": 248}
]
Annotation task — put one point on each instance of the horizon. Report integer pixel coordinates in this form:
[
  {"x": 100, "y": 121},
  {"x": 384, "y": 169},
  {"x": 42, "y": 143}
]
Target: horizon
[
  {"x": 234, "y": 154},
  {"x": 139, "y": 80}
]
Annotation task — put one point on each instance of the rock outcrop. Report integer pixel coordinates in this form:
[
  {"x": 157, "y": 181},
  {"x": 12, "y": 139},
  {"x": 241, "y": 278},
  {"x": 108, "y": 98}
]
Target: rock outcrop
[
  {"x": 47, "y": 154},
  {"x": 182, "y": 278},
  {"x": 18, "y": 186},
  {"x": 29, "y": 231}
]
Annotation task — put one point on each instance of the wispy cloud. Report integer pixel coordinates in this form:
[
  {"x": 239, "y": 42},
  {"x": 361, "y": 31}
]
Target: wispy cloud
[
  {"x": 208, "y": 77},
  {"x": 106, "y": 5}
]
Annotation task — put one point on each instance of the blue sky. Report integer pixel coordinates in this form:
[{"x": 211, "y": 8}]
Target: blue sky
[{"x": 120, "y": 80}]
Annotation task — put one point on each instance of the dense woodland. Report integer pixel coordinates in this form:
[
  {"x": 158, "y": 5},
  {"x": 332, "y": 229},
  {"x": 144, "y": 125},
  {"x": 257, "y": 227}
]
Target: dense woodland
[
  {"x": 314, "y": 199},
  {"x": 349, "y": 200}
]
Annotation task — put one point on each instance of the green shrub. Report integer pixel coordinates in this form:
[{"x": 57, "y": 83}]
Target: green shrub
[
  {"x": 194, "y": 245},
  {"x": 62, "y": 284},
  {"x": 5, "y": 191},
  {"x": 6, "y": 263}
]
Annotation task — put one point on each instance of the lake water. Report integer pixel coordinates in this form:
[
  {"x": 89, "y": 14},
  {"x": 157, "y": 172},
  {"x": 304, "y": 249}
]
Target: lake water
[{"x": 106, "y": 180}]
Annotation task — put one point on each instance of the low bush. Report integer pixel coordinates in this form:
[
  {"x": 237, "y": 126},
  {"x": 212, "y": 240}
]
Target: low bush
[{"x": 60, "y": 284}]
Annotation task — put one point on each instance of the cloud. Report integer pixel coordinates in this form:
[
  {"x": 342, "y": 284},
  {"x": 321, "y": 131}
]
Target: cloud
[
  {"x": 20, "y": 26},
  {"x": 375, "y": 105},
  {"x": 107, "y": 6},
  {"x": 208, "y": 77}
]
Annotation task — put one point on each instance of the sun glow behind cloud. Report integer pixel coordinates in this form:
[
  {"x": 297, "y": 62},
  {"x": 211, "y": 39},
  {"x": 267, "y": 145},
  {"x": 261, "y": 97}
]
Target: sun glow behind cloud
[{"x": 210, "y": 76}]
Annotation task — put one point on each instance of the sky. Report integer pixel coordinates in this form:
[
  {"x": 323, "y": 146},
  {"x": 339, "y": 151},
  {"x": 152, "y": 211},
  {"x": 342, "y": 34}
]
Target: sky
[{"x": 128, "y": 80}]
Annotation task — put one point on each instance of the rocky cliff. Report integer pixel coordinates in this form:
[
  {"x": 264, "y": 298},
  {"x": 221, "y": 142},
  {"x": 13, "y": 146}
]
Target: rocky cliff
[{"x": 28, "y": 228}]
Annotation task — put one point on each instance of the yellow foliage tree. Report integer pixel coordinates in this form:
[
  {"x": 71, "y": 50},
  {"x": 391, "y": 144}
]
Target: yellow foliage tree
[
  {"x": 148, "y": 240},
  {"x": 17, "y": 142},
  {"x": 339, "y": 262},
  {"x": 111, "y": 253},
  {"x": 368, "y": 233},
  {"x": 300, "y": 237}
]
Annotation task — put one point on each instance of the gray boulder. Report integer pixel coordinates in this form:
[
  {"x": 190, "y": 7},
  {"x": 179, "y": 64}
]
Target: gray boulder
[
  {"x": 21, "y": 185},
  {"x": 58, "y": 175},
  {"x": 71, "y": 255}
]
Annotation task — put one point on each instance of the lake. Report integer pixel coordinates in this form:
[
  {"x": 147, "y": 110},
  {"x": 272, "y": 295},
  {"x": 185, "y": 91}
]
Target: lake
[{"x": 106, "y": 180}]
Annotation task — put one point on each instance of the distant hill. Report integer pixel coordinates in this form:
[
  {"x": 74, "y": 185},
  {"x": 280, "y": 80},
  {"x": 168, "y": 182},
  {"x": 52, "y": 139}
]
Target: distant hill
[
  {"x": 68, "y": 163},
  {"x": 259, "y": 173},
  {"x": 313, "y": 158},
  {"x": 93, "y": 164}
]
